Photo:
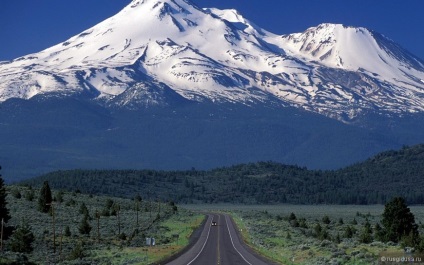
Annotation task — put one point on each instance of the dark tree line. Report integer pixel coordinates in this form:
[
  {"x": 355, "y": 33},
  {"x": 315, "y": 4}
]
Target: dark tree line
[{"x": 375, "y": 181}]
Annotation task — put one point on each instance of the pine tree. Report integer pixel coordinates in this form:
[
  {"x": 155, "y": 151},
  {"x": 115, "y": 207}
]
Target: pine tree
[
  {"x": 366, "y": 235},
  {"x": 77, "y": 252},
  {"x": 348, "y": 233},
  {"x": 398, "y": 221},
  {"x": 4, "y": 212},
  {"x": 83, "y": 209},
  {"x": 22, "y": 239},
  {"x": 45, "y": 198},
  {"x": 326, "y": 220},
  {"x": 318, "y": 230},
  {"x": 292, "y": 217},
  {"x": 85, "y": 227},
  {"x": 67, "y": 232},
  {"x": 379, "y": 232}
]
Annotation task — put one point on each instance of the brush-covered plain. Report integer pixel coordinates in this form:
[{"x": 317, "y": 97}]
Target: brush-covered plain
[
  {"x": 314, "y": 234},
  {"x": 117, "y": 233}
]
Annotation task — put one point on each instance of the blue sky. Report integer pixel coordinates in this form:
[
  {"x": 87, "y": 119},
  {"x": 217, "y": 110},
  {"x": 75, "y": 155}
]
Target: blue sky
[{"x": 28, "y": 26}]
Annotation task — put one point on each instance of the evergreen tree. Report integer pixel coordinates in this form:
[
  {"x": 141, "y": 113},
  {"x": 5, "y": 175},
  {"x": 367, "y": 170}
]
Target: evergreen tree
[
  {"x": 366, "y": 235},
  {"x": 379, "y": 232},
  {"x": 292, "y": 216},
  {"x": 67, "y": 231},
  {"x": 326, "y": 220},
  {"x": 45, "y": 198},
  {"x": 4, "y": 212},
  {"x": 59, "y": 197},
  {"x": 337, "y": 239},
  {"x": 85, "y": 227},
  {"x": 29, "y": 195},
  {"x": 83, "y": 209},
  {"x": 348, "y": 233},
  {"x": 318, "y": 230},
  {"x": 302, "y": 223},
  {"x": 138, "y": 198},
  {"x": 77, "y": 252},
  {"x": 398, "y": 221},
  {"x": 22, "y": 239}
]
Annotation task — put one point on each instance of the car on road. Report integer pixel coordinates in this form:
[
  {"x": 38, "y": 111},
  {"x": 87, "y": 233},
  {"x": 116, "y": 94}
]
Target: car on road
[{"x": 213, "y": 224}]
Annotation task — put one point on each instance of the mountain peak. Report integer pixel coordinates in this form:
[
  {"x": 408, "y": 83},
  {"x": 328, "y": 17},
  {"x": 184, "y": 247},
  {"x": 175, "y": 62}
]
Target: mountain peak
[
  {"x": 218, "y": 55},
  {"x": 337, "y": 45},
  {"x": 179, "y": 5}
]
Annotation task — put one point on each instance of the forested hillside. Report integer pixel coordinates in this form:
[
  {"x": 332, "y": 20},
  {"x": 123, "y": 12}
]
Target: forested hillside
[{"x": 376, "y": 180}]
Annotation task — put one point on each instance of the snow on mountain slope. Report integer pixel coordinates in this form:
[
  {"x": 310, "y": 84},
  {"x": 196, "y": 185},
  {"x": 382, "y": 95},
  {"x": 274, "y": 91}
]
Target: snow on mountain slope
[
  {"x": 352, "y": 49},
  {"x": 172, "y": 48},
  {"x": 382, "y": 74}
]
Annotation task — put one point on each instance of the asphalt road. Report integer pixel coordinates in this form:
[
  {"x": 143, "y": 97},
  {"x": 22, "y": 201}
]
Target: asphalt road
[{"x": 219, "y": 245}]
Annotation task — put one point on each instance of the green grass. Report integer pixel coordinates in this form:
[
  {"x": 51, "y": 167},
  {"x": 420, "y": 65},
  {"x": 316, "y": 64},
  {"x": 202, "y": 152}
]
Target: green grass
[{"x": 183, "y": 226}]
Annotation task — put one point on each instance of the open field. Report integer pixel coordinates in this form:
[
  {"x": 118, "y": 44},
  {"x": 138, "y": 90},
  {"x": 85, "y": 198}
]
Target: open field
[{"x": 311, "y": 238}]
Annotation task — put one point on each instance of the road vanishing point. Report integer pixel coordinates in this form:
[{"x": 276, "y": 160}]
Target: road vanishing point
[{"x": 219, "y": 244}]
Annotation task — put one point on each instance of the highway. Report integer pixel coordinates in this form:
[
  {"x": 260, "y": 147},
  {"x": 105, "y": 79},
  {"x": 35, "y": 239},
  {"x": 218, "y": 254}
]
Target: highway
[{"x": 219, "y": 245}]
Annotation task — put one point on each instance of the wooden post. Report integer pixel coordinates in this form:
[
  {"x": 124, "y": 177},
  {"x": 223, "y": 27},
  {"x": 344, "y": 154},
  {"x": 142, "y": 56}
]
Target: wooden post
[
  {"x": 136, "y": 205},
  {"x": 150, "y": 204},
  {"x": 60, "y": 248},
  {"x": 98, "y": 225},
  {"x": 150, "y": 209},
  {"x": 118, "y": 208},
  {"x": 54, "y": 232}
]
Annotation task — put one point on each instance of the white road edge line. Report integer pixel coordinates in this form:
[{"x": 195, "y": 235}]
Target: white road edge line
[
  {"x": 206, "y": 241},
  {"x": 226, "y": 217}
]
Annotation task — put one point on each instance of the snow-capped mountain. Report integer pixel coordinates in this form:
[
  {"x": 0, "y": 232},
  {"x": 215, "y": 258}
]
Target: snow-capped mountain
[
  {"x": 155, "y": 50},
  {"x": 166, "y": 84}
]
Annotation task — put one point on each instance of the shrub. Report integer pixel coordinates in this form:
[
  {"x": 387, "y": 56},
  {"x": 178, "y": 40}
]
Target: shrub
[
  {"x": 122, "y": 236},
  {"x": 59, "y": 197},
  {"x": 16, "y": 193},
  {"x": 29, "y": 195},
  {"x": 67, "y": 232},
  {"x": 77, "y": 252},
  {"x": 302, "y": 223},
  {"x": 326, "y": 220},
  {"x": 348, "y": 233},
  {"x": 22, "y": 239},
  {"x": 294, "y": 223},
  {"x": 292, "y": 217},
  {"x": 366, "y": 235},
  {"x": 378, "y": 232},
  {"x": 83, "y": 209}
]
